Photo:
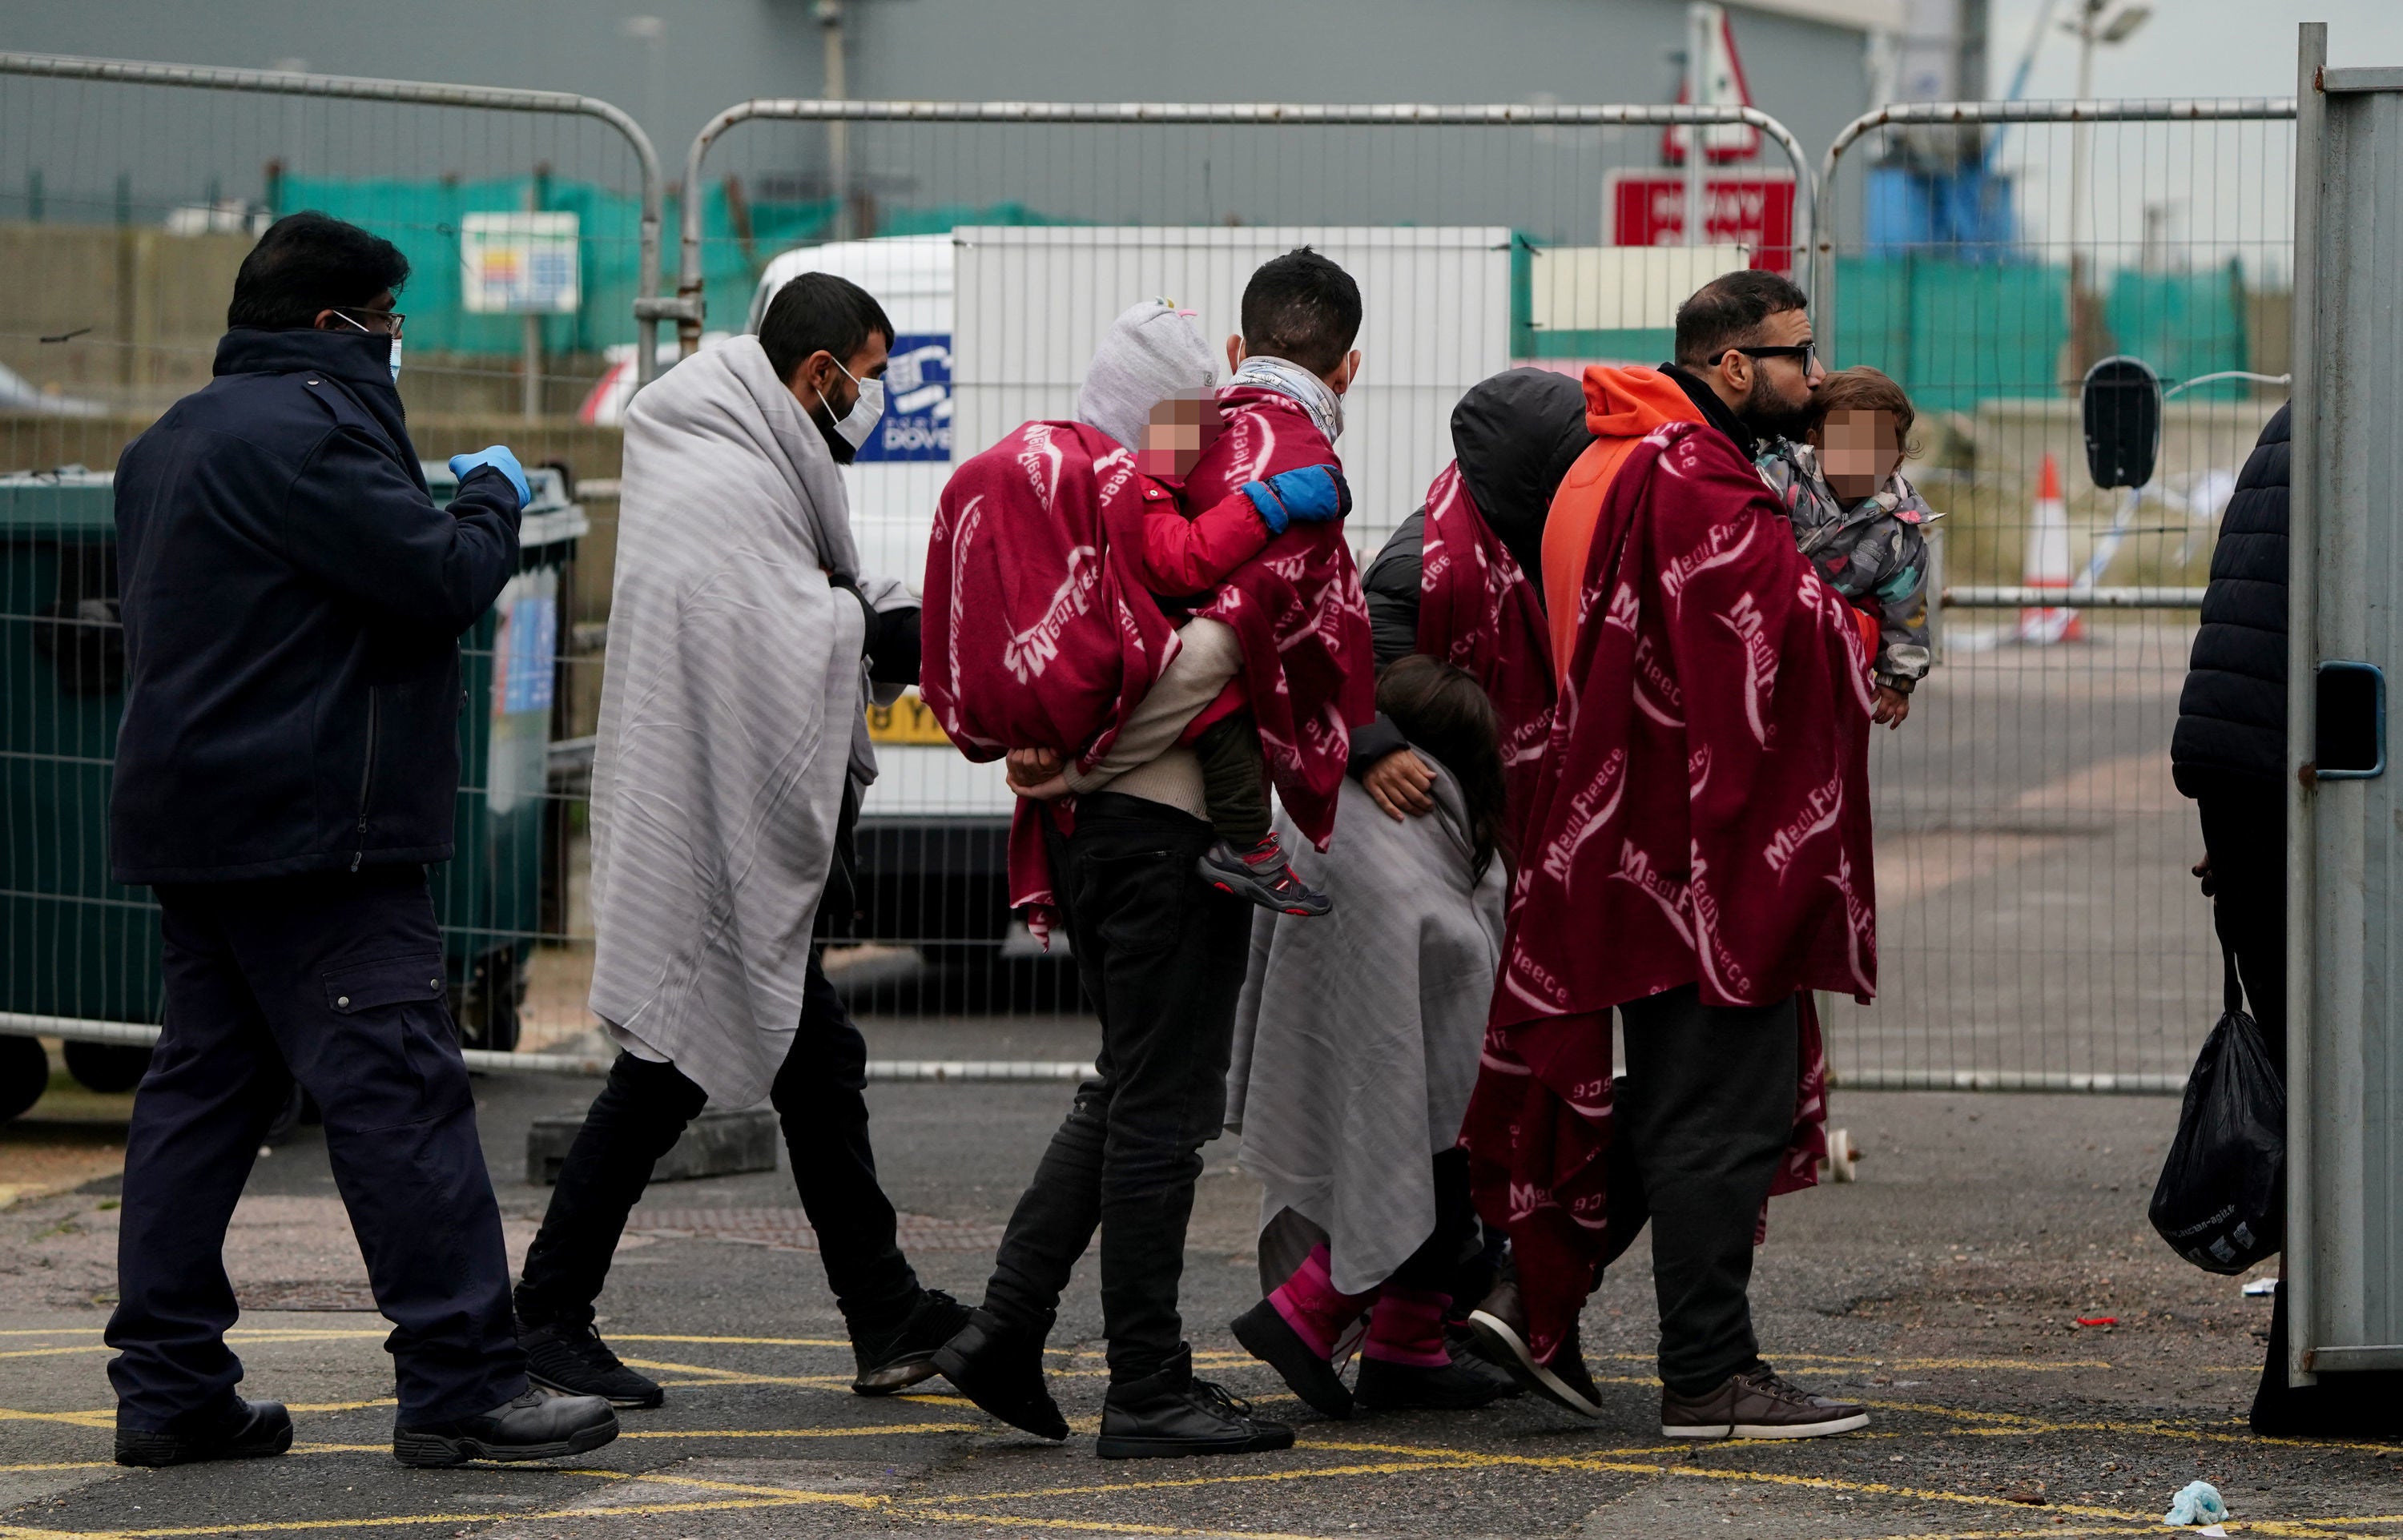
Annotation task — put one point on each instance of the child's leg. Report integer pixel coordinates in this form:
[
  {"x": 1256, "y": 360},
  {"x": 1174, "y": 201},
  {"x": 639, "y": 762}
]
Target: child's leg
[
  {"x": 1234, "y": 780},
  {"x": 1246, "y": 860}
]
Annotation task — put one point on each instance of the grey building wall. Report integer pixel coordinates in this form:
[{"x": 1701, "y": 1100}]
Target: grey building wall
[{"x": 710, "y": 52}]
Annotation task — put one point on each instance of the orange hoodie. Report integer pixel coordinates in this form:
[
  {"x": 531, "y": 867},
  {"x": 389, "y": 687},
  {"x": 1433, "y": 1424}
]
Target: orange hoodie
[{"x": 1621, "y": 406}]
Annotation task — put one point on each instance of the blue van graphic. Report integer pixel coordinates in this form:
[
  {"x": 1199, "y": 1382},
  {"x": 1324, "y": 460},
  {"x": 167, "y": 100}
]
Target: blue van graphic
[{"x": 917, "y": 421}]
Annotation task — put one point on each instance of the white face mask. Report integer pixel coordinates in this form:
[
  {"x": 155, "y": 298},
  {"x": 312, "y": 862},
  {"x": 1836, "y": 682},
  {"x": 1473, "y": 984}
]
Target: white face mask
[
  {"x": 396, "y": 360},
  {"x": 861, "y": 420}
]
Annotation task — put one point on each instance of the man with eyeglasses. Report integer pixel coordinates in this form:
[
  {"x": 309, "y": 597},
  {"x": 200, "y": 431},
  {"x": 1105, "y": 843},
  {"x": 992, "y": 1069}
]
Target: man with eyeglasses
[
  {"x": 1696, "y": 860},
  {"x": 287, "y": 768}
]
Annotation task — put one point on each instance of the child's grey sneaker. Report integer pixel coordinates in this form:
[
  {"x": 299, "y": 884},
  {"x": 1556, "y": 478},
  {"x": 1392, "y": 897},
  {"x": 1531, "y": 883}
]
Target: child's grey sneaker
[{"x": 1261, "y": 875}]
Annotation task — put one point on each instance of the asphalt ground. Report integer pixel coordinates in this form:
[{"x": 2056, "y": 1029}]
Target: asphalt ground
[{"x": 1942, "y": 1287}]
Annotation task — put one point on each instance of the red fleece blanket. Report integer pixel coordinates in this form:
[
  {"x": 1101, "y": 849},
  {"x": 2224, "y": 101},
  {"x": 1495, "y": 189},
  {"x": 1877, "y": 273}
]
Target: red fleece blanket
[
  {"x": 1700, "y": 817},
  {"x": 1478, "y": 613},
  {"x": 1310, "y": 670},
  {"x": 1037, "y": 630}
]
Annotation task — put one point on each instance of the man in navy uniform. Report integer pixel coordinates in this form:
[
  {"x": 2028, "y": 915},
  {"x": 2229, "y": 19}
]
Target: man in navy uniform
[{"x": 287, "y": 766}]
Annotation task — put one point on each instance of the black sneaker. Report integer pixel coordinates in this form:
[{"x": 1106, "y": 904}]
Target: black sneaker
[
  {"x": 1171, "y": 1414},
  {"x": 1002, "y": 1372},
  {"x": 247, "y": 1430},
  {"x": 903, "y": 1353},
  {"x": 1463, "y": 1384},
  {"x": 536, "y": 1425},
  {"x": 1267, "y": 1336},
  {"x": 573, "y": 1361},
  {"x": 1500, "y": 1323},
  {"x": 1263, "y": 875}
]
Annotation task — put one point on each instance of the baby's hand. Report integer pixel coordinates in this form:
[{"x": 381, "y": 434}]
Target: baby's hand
[{"x": 1892, "y": 707}]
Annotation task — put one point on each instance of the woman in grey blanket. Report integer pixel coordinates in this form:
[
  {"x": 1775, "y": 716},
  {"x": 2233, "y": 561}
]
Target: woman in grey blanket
[{"x": 1355, "y": 1046}]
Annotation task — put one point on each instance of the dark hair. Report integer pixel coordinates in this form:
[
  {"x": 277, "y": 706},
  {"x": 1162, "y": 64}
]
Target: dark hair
[
  {"x": 310, "y": 262},
  {"x": 1728, "y": 312},
  {"x": 1447, "y": 714},
  {"x": 819, "y": 310},
  {"x": 1301, "y": 307},
  {"x": 1862, "y": 388}
]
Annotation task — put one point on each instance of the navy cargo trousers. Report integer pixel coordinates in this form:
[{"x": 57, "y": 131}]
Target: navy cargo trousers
[{"x": 335, "y": 980}]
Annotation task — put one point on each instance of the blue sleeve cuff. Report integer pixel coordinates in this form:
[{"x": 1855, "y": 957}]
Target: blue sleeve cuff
[{"x": 1271, "y": 512}]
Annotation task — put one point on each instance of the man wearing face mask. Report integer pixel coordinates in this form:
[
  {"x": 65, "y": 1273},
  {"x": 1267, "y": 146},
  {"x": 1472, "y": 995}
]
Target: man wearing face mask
[
  {"x": 286, "y": 766},
  {"x": 744, "y": 643}
]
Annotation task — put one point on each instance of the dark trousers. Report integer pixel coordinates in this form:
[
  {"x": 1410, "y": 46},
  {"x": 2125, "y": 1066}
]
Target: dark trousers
[
  {"x": 640, "y": 1114},
  {"x": 1234, "y": 780},
  {"x": 336, "y": 982},
  {"x": 1162, "y": 957},
  {"x": 1436, "y": 1265},
  {"x": 2246, "y": 838},
  {"x": 1705, "y": 1112}
]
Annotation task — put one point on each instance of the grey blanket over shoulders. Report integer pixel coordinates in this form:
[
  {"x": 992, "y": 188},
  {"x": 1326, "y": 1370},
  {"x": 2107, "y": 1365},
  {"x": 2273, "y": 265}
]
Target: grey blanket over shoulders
[
  {"x": 1357, "y": 1035},
  {"x": 730, "y": 717}
]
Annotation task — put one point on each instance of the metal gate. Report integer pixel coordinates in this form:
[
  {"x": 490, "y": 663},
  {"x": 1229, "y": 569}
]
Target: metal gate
[
  {"x": 2344, "y": 1070},
  {"x": 2039, "y": 927},
  {"x": 128, "y": 194}
]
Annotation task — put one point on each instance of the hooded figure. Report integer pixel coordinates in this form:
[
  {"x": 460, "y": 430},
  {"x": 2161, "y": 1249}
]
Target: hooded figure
[{"x": 716, "y": 784}]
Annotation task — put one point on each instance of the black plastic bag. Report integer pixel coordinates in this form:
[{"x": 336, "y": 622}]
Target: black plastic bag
[{"x": 2221, "y": 1202}]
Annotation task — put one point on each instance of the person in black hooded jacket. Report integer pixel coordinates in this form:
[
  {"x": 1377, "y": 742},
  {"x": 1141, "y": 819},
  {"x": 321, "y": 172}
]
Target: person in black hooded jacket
[
  {"x": 1515, "y": 435},
  {"x": 2228, "y": 753}
]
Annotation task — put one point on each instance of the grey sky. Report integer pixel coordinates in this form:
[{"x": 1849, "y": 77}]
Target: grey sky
[{"x": 2200, "y": 47}]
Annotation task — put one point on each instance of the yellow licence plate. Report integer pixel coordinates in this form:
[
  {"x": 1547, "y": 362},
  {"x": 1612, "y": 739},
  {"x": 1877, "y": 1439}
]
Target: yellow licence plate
[{"x": 908, "y": 720}]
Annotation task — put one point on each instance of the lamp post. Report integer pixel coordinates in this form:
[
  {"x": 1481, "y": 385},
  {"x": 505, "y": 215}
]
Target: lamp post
[{"x": 2106, "y": 23}]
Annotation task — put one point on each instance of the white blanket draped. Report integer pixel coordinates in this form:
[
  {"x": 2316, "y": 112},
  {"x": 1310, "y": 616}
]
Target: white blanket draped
[{"x": 730, "y": 715}]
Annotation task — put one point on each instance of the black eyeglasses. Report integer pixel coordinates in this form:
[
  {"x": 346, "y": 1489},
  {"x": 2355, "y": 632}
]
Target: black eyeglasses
[
  {"x": 1806, "y": 352},
  {"x": 387, "y": 322}
]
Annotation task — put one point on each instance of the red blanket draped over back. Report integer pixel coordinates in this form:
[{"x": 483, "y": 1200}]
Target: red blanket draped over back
[
  {"x": 1700, "y": 817},
  {"x": 1308, "y": 665},
  {"x": 1479, "y": 612}
]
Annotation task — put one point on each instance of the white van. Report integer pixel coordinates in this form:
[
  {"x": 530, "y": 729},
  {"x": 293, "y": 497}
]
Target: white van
[{"x": 994, "y": 325}]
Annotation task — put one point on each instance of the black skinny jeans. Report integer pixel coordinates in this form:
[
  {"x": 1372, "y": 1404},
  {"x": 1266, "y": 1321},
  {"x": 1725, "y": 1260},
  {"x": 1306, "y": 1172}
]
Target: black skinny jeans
[
  {"x": 1161, "y": 956},
  {"x": 642, "y": 1112}
]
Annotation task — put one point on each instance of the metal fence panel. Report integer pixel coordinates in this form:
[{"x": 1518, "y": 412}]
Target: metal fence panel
[
  {"x": 2344, "y": 1251},
  {"x": 2039, "y": 927},
  {"x": 128, "y": 194}
]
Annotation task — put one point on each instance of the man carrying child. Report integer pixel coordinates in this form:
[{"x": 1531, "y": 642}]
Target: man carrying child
[
  {"x": 1049, "y": 631},
  {"x": 1696, "y": 859}
]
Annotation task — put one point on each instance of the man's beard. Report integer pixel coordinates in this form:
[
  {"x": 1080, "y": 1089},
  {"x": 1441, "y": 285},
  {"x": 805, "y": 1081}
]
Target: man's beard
[
  {"x": 1766, "y": 414},
  {"x": 837, "y": 445}
]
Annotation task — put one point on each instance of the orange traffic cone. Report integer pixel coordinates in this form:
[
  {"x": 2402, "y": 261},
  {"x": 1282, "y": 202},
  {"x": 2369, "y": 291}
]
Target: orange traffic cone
[{"x": 2048, "y": 564}]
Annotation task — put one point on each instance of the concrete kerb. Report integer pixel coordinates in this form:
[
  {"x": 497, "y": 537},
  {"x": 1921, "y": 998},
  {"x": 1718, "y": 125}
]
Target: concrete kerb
[
  {"x": 688, "y": 307},
  {"x": 419, "y": 92}
]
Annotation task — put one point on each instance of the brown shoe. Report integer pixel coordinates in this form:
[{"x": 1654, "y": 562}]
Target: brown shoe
[
  {"x": 1757, "y": 1404},
  {"x": 1499, "y": 1325}
]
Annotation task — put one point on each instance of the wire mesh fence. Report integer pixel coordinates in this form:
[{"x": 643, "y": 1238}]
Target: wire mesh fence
[
  {"x": 2038, "y": 923},
  {"x": 129, "y": 197}
]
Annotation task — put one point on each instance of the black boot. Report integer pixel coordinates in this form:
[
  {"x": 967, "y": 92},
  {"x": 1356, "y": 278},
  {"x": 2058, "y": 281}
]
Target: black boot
[
  {"x": 1267, "y": 1336},
  {"x": 1171, "y": 1414},
  {"x": 535, "y": 1426},
  {"x": 898, "y": 1356},
  {"x": 1462, "y": 1385},
  {"x": 1002, "y": 1372},
  {"x": 573, "y": 1361},
  {"x": 246, "y": 1430}
]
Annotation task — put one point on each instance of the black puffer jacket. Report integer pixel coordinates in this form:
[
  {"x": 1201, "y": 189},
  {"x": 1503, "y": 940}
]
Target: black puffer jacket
[
  {"x": 1515, "y": 435},
  {"x": 2232, "y": 726}
]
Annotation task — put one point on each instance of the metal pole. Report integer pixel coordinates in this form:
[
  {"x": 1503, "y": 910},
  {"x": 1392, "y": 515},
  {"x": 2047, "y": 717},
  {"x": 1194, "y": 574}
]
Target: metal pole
[
  {"x": 688, "y": 306},
  {"x": 2080, "y": 147},
  {"x": 837, "y": 89},
  {"x": 419, "y": 93},
  {"x": 1699, "y": 17},
  {"x": 530, "y": 399}
]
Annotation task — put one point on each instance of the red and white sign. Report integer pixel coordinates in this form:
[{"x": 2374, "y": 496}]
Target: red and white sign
[
  {"x": 1753, "y": 209},
  {"x": 1723, "y": 86}
]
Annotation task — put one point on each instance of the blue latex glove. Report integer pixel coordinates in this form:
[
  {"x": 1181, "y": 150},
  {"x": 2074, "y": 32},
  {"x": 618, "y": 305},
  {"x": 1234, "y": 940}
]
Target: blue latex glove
[
  {"x": 1312, "y": 494},
  {"x": 2197, "y": 1503},
  {"x": 499, "y": 458}
]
